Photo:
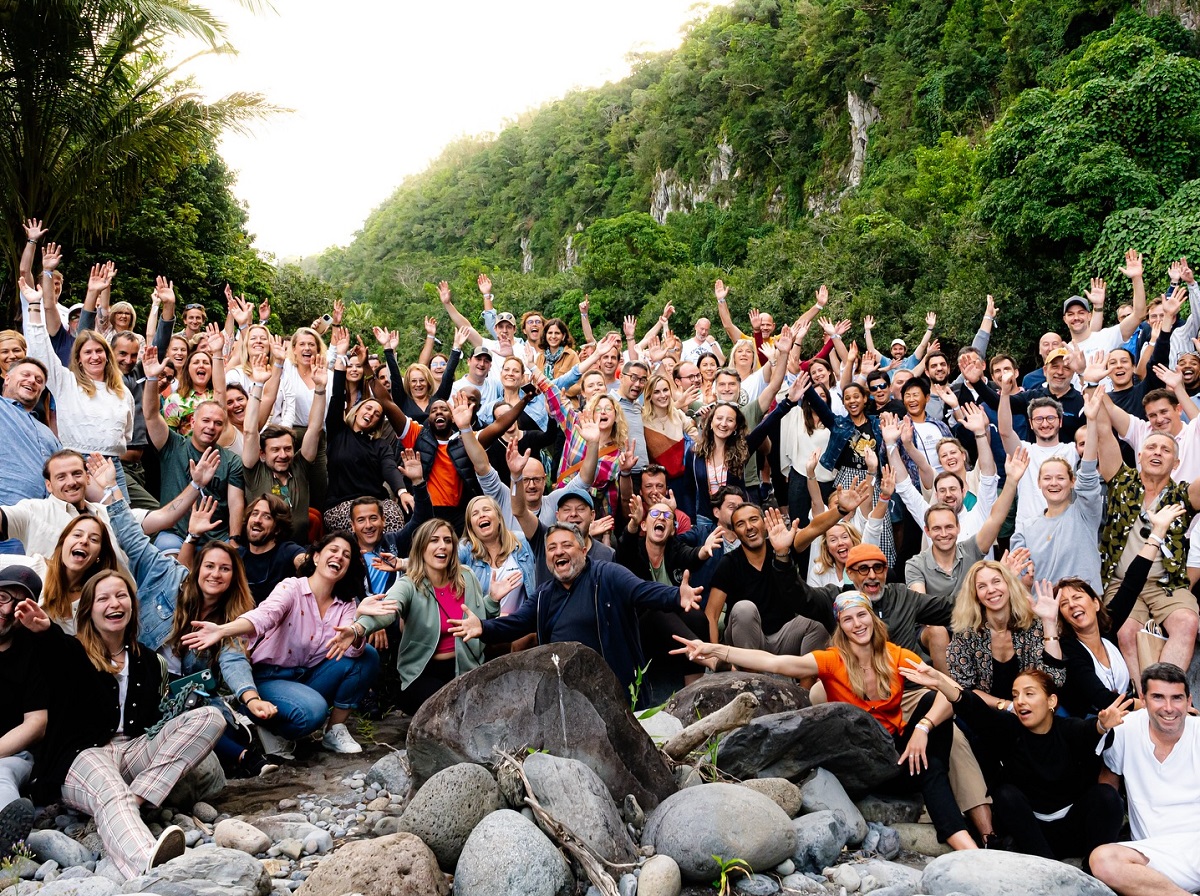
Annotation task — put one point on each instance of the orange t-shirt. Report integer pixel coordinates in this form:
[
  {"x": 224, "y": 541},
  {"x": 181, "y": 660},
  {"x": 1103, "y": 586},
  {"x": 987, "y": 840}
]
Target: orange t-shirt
[
  {"x": 444, "y": 484},
  {"x": 832, "y": 672}
]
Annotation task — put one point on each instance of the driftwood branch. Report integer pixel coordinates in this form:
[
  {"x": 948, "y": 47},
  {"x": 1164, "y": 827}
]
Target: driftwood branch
[
  {"x": 591, "y": 862},
  {"x": 732, "y": 715}
]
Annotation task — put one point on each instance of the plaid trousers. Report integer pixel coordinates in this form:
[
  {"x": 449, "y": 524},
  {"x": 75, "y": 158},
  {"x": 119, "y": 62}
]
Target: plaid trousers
[{"x": 105, "y": 782}]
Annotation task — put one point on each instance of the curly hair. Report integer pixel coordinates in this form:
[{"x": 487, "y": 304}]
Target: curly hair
[{"x": 737, "y": 452}]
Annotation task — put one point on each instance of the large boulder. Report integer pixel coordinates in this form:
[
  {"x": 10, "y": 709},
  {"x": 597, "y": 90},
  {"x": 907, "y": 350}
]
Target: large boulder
[
  {"x": 709, "y": 693},
  {"x": 508, "y": 854},
  {"x": 820, "y": 837},
  {"x": 724, "y": 820},
  {"x": 391, "y": 774},
  {"x": 562, "y": 698},
  {"x": 202, "y": 783},
  {"x": 838, "y": 737},
  {"x": 997, "y": 873},
  {"x": 396, "y": 865},
  {"x": 445, "y": 811},
  {"x": 575, "y": 795},
  {"x": 51, "y": 845},
  {"x": 205, "y": 872},
  {"x": 823, "y": 791}
]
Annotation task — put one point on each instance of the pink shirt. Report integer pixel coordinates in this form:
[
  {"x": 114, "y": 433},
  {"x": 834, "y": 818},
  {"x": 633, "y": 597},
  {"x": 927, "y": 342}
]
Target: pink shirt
[
  {"x": 449, "y": 607},
  {"x": 290, "y": 629}
]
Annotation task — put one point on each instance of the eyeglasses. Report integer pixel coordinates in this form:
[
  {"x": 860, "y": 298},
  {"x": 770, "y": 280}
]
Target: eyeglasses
[
  {"x": 1044, "y": 418},
  {"x": 660, "y": 514},
  {"x": 8, "y": 600},
  {"x": 864, "y": 568},
  {"x": 878, "y": 386},
  {"x": 635, "y": 378}
]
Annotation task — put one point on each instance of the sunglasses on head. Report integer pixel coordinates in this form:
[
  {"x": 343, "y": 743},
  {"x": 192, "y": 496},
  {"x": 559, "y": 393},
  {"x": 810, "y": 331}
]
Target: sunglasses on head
[
  {"x": 865, "y": 568},
  {"x": 193, "y": 306}
]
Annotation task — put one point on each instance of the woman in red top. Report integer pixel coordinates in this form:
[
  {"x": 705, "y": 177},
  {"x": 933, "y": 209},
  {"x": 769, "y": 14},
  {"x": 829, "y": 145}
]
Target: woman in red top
[{"x": 863, "y": 668}]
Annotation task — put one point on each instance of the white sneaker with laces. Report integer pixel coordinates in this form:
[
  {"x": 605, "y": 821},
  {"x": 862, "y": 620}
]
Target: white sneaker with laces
[
  {"x": 338, "y": 739},
  {"x": 274, "y": 745},
  {"x": 170, "y": 845}
]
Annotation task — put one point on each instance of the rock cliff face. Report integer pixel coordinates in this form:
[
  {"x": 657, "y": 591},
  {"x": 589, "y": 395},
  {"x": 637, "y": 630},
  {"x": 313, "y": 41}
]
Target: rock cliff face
[
  {"x": 863, "y": 114},
  {"x": 670, "y": 194}
]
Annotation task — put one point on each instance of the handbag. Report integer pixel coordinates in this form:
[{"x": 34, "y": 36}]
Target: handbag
[
  {"x": 1150, "y": 643},
  {"x": 183, "y": 694}
]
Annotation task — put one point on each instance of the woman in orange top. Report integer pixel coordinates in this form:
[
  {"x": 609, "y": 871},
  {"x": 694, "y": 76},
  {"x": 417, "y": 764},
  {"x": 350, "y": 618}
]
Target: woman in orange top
[{"x": 863, "y": 668}]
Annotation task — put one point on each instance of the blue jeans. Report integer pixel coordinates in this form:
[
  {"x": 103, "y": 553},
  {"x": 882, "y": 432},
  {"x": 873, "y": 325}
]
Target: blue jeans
[{"x": 304, "y": 696}]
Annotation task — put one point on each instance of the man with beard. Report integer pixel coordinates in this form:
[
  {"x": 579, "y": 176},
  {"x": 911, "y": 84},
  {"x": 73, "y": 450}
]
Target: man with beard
[
  {"x": 23, "y": 711},
  {"x": 1157, "y": 751},
  {"x": 177, "y": 452},
  {"x": 268, "y": 555},
  {"x": 28, "y": 443},
  {"x": 126, "y": 348},
  {"x": 596, "y": 604},
  {"x": 37, "y": 522},
  {"x": 271, "y": 465},
  {"x": 1045, "y": 416}
]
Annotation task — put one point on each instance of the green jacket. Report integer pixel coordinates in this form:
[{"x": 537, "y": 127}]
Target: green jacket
[{"x": 422, "y": 626}]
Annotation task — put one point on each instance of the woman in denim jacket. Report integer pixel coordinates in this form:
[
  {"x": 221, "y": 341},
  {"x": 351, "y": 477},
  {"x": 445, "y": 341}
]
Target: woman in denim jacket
[{"x": 500, "y": 557}]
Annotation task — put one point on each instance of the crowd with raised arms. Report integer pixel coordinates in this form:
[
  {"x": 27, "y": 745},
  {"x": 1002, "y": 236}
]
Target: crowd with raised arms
[{"x": 220, "y": 538}]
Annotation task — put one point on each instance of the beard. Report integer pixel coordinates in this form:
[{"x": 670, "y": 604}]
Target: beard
[{"x": 571, "y": 573}]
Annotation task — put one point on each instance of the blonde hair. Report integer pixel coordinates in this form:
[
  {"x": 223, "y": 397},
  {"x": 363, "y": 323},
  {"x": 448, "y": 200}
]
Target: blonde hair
[
  {"x": 374, "y": 433},
  {"x": 415, "y": 572},
  {"x": 304, "y": 331},
  {"x": 508, "y": 541},
  {"x": 753, "y": 354},
  {"x": 112, "y": 373},
  {"x": 881, "y": 662},
  {"x": 418, "y": 367},
  {"x": 620, "y": 429},
  {"x": 968, "y": 615},
  {"x": 85, "y": 629},
  {"x": 128, "y": 309},
  {"x": 243, "y": 347},
  {"x": 824, "y": 561}
]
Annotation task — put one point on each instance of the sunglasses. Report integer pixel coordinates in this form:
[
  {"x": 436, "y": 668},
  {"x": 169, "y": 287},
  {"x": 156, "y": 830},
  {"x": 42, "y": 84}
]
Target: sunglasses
[
  {"x": 878, "y": 387},
  {"x": 660, "y": 514},
  {"x": 193, "y": 306},
  {"x": 864, "y": 568}
]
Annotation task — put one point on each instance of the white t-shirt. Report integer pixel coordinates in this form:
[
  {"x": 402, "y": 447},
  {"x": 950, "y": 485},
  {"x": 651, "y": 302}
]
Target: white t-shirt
[
  {"x": 1104, "y": 341},
  {"x": 1187, "y": 443},
  {"x": 1164, "y": 797},
  {"x": 1031, "y": 503},
  {"x": 123, "y": 690}
]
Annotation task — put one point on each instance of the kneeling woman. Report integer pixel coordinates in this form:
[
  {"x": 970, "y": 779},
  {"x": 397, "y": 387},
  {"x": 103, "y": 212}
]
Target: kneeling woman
[
  {"x": 862, "y": 668},
  {"x": 1046, "y": 795},
  {"x": 293, "y": 626},
  {"x": 96, "y": 756},
  {"x": 429, "y": 597}
]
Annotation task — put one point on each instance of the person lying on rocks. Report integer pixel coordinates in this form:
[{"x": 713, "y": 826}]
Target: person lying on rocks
[
  {"x": 97, "y": 757},
  {"x": 596, "y": 604},
  {"x": 429, "y": 598},
  {"x": 862, "y": 668},
  {"x": 1046, "y": 795}
]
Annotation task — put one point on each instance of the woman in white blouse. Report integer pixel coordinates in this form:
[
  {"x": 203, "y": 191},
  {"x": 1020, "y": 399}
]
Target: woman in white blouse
[{"x": 95, "y": 410}]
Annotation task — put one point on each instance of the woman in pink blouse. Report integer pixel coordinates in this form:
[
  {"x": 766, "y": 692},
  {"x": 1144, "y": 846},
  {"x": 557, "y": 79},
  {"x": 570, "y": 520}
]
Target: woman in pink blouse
[{"x": 291, "y": 631}]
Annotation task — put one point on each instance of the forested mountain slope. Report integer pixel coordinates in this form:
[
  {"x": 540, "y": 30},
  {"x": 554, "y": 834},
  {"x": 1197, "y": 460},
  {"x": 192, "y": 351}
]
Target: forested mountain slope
[{"x": 913, "y": 154}]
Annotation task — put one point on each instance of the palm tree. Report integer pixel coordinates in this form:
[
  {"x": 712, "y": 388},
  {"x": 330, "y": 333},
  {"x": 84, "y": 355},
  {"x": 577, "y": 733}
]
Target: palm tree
[{"x": 90, "y": 111}]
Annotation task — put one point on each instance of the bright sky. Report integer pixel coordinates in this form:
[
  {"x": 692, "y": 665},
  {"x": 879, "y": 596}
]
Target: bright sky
[{"x": 378, "y": 87}]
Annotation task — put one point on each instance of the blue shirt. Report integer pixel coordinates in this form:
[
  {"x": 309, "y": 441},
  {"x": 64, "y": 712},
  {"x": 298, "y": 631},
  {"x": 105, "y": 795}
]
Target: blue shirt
[{"x": 28, "y": 444}]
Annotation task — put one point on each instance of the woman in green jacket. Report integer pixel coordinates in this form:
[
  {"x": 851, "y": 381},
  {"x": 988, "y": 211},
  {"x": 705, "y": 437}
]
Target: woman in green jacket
[{"x": 428, "y": 597}]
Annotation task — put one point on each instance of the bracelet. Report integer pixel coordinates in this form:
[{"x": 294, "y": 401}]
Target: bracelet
[
  {"x": 278, "y": 366},
  {"x": 1155, "y": 540},
  {"x": 252, "y": 699},
  {"x": 1048, "y": 640},
  {"x": 990, "y": 317},
  {"x": 193, "y": 484},
  {"x": 318, "y": 391},
  {"x": 32, "y": 242},
  {"x": 518, "y": 478},
  {"x": 583, "y": 314},
  {"x": 152, "y": 379},
  {"x": 189, "y": 538},
  {"x": 961, "y": 691},
  {"x": 924, "y": 725}
]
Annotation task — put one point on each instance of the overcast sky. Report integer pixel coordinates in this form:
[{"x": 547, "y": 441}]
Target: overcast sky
[{"x": 378, "y": 87}]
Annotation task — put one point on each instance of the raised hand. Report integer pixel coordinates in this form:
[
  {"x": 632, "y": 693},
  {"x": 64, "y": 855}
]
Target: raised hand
[
  {"x": 320, "y": 372},
  {"x": 600, "y": 525},
  {"x": 516, "y": 460},
  {"x": 637, "y": 513},
  {"x": 383, "y": 335},
  {"x": 715, "y": 539},
  {"x": 214, "y": 340},
  {"x": 1096, "y": 368},
  {"x": 34, "y": 229},
  {"x": 484, "y": 282},
  {"x": 887, "y": 483},
  {"x": 587, "y": 427},
  {"x": 1161, "y": 519},
  {"x": 584, "y": 306},
  {"x": 975, "y": 419},
  {"x": 51, "y": 256},
  {"x": 461, "y": 335},
  {"x": 241, "y": 310},
  {"x": 779, "y": 533},
  {"x": 1096, "y": 292},
  {"x": 799, "y": 387},
  {"x": 444, "y": 292},
  {"x": 151, "y": 366},
  {"x": 627, "y": 459},
  {"x": 720, "y": 290},
  {"x": 850, "y": 499},
  {"x": 410, "y": 466},
  {"x": 629, "y": 328},
  {"x": 1133, "y": 264},
  {"x": 164, "y": 290},
  {"x": 264, "y": 310},
  {"x": 102, "y": 470},
  {"x": 278, "y": 349},
  {"x": 1016, "y": 463},
  {"x": 822, "y": 296},
  {"x": 1020, "y": 562},
  {"x": 1170, "y": 378},
  {"x": 31, "y": 616},
  {"x": 1185, "y": 271},
  {"x": 889, "y": 428},
  {"x": 1114, "y": 714},
  {"x": 1173, "y": 302},
  {"x": 468, "y": 627},
  {"x": 339, "y": 312},
  {"x": 1045, "y": 605},
  {"x": 868, "y": 324},
  {"x": 201, "y": 521},
  {"x": 461, "y": 411},
  {"x": 339, "y": 339},
  {"x": 931, "y": 319},
  {"x": 97, "y": 282}
]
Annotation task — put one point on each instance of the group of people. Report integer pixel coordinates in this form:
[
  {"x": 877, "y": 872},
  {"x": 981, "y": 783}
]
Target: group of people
[{"x": 221, "y": 538}]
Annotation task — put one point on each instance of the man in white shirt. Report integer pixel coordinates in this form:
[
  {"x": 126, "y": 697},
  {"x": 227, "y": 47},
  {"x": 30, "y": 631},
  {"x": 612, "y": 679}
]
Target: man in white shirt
[
  {"x": 1157, "y": 751},
  {"x": 700, "y": 343},
  {"x": 1077, "y": 312},
  {"x": 1164, "y": 414},
  {"x": 1045, "y": 422}
]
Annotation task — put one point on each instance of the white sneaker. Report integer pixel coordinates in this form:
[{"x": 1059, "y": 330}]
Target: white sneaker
[
  {"x": 171, "y": 844},
  {"x": 338, "y": 739},
  {"x": 274, "y": 745}
]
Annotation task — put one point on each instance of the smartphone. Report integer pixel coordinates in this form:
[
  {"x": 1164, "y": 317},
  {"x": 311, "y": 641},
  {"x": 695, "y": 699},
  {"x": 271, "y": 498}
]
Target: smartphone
[{"x": 530, "y": 390}]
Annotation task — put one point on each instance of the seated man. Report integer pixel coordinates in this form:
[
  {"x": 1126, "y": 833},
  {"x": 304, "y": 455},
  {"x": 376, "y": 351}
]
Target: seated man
[
  {"x": 1157, "y": 751},
  {"x": 269, "y": 555},
  {"x": 28, "y": 443},
  {"x": 270, "y": 464},
  {"x": 593, "y": 603},
  {"x": 23, "y": 709}
]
